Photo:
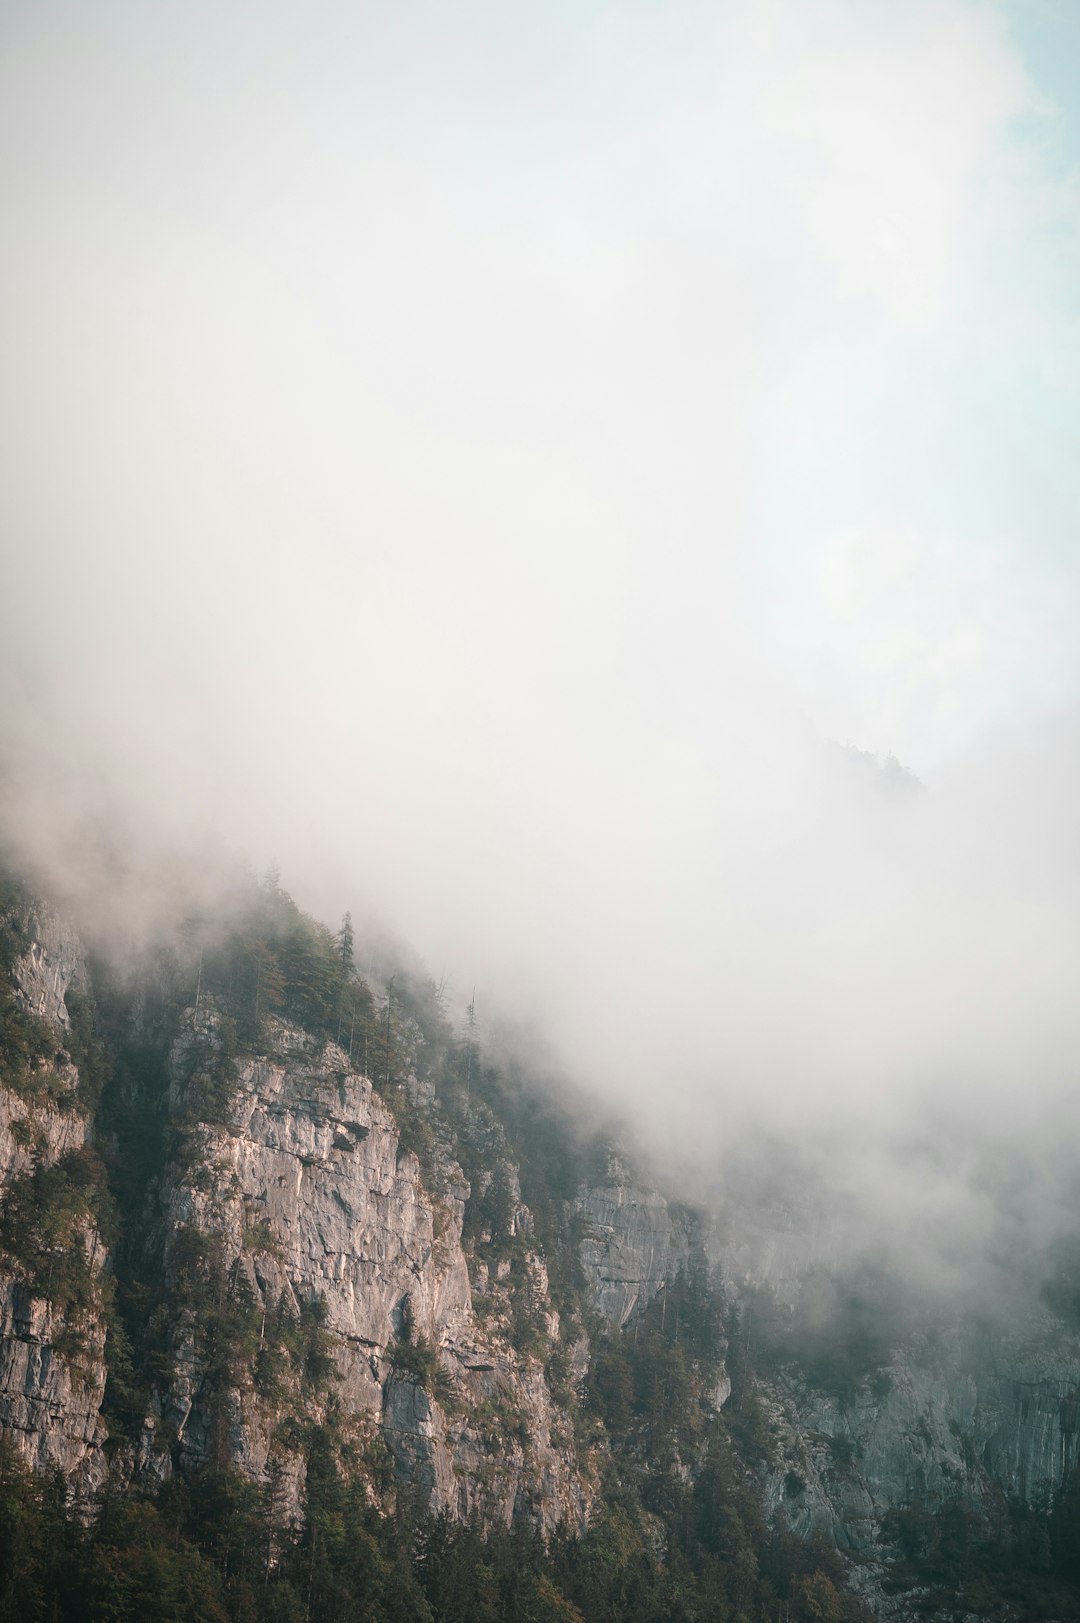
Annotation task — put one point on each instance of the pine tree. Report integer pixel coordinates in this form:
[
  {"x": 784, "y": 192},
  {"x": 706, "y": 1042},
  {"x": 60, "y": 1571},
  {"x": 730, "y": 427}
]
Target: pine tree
[{"x": 345, "y": 942}]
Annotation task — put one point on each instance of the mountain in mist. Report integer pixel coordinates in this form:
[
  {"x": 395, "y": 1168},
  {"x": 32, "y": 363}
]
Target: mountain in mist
[
  {"x": 590, "y": 489},
  {"x": 310, "y": 1309}
]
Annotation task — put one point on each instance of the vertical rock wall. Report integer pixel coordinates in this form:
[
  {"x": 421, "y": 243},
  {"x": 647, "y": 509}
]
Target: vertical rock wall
[
  {"x": 52, "y": 1358},
  {"x": 311, "y": 1198}
]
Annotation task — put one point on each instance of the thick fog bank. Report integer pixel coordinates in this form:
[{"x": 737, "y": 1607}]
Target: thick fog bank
[
  {"x": 877, "y": 973},
  {"x": 526, "y": 475}
]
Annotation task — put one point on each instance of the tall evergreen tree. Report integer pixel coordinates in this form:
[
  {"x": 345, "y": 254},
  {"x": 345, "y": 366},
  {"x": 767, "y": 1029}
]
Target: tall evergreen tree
[{"x": 345, "y": 943}]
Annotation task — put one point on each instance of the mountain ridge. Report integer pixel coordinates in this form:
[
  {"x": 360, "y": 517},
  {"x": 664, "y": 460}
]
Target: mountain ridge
[{"x": 274, "y": 1265}]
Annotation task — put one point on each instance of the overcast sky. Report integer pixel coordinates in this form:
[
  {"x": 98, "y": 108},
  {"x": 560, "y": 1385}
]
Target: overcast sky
[{"x": 479, "y": 455}]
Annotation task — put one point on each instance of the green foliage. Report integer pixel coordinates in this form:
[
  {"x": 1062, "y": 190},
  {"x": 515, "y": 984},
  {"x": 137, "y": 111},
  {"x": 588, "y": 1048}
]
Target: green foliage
[
  {"x": 415, "y": 1360},
  {"x": 43, "y": 1223},
  {"x": 1063, "y": 1528},
  {"x": 415, "y": 1134},
  {"x": 269, "y": 958},
  {"x": 611, "y": 1386},
  {"x": 23, "y": 1132},
  {"x": 211, "y": 1073},
  {"x": 275, "y": 960},
  {"x": 214, "y": 1546},
  {"x": 650, "y": 1383},
  {"x": 746, "y": 1419},
  {"x": 558, "y": 1372},
  {"x": 527, "y": 1306},
  {"x": 25, "y": 1042},
  {"x": 15, "y": 906},
  {"x": 130, "y": 1573},
  {"x": 1020, "y": 1563},
  {"x": 678, "y": 1534},
  {"x": 282, "y": 1353},
  {"x": 345, "y": 942},
  {"x": 489, "y": 1215}
]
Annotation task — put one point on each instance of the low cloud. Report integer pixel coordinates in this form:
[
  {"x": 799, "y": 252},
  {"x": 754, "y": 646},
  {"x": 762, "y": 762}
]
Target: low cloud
[{"x": 486, "y": 469}]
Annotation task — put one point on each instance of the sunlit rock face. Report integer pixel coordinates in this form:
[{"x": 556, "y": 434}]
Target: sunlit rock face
[
  {"x": 302, "y": 1194},
  {"x": 310, "y": 1196},
  {"x": 52, "y": 962}
]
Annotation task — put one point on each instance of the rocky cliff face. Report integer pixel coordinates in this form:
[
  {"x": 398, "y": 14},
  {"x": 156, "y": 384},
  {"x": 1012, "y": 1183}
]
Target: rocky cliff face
[
  {"x": 48, "y": 967},
  {"x": 955, "y": 1411},
  {"x": 308, "y": 1271},
  {"x": 955, "y": 1420},
  {"x": 52, "y": 1365},
  {"x": 632, "y": 1242},
  {"x": 957, "y": 1406},
  {"x": 307, "y": 1197}
]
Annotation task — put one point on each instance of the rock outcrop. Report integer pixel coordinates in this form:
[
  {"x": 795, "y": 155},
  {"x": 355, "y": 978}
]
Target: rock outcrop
[
  {"x": 51, "y": 963},
  {"x": 956, "y": 1410},
  {"x": 309, "y": 1198},
  {"x": 52, "y": 1350},
  {"x": 305, "y": 1272},
  {"x": 958, "y": 1419},
  {"x": 632, "y": 1243}
]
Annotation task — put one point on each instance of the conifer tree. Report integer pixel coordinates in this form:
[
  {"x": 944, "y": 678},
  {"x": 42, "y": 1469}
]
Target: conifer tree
[{"x": 345, "y": 943}]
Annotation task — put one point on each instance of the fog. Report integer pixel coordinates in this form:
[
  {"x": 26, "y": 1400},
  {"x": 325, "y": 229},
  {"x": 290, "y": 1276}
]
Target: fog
[{"x": 504, "y": 464}]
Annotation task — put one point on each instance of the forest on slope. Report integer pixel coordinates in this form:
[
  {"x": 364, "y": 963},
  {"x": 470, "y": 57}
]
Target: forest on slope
[{"x": 666, "y": 1420}]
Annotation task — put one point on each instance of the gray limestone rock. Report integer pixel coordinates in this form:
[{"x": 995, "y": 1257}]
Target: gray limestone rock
[
  {"x": 52, "y": 1366},
  {"x": 632, "y": 1243},
  {"x": 312, "y": 1197}
]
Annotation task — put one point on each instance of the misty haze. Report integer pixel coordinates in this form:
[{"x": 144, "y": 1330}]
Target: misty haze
[{"x": 539, "y": 790}]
